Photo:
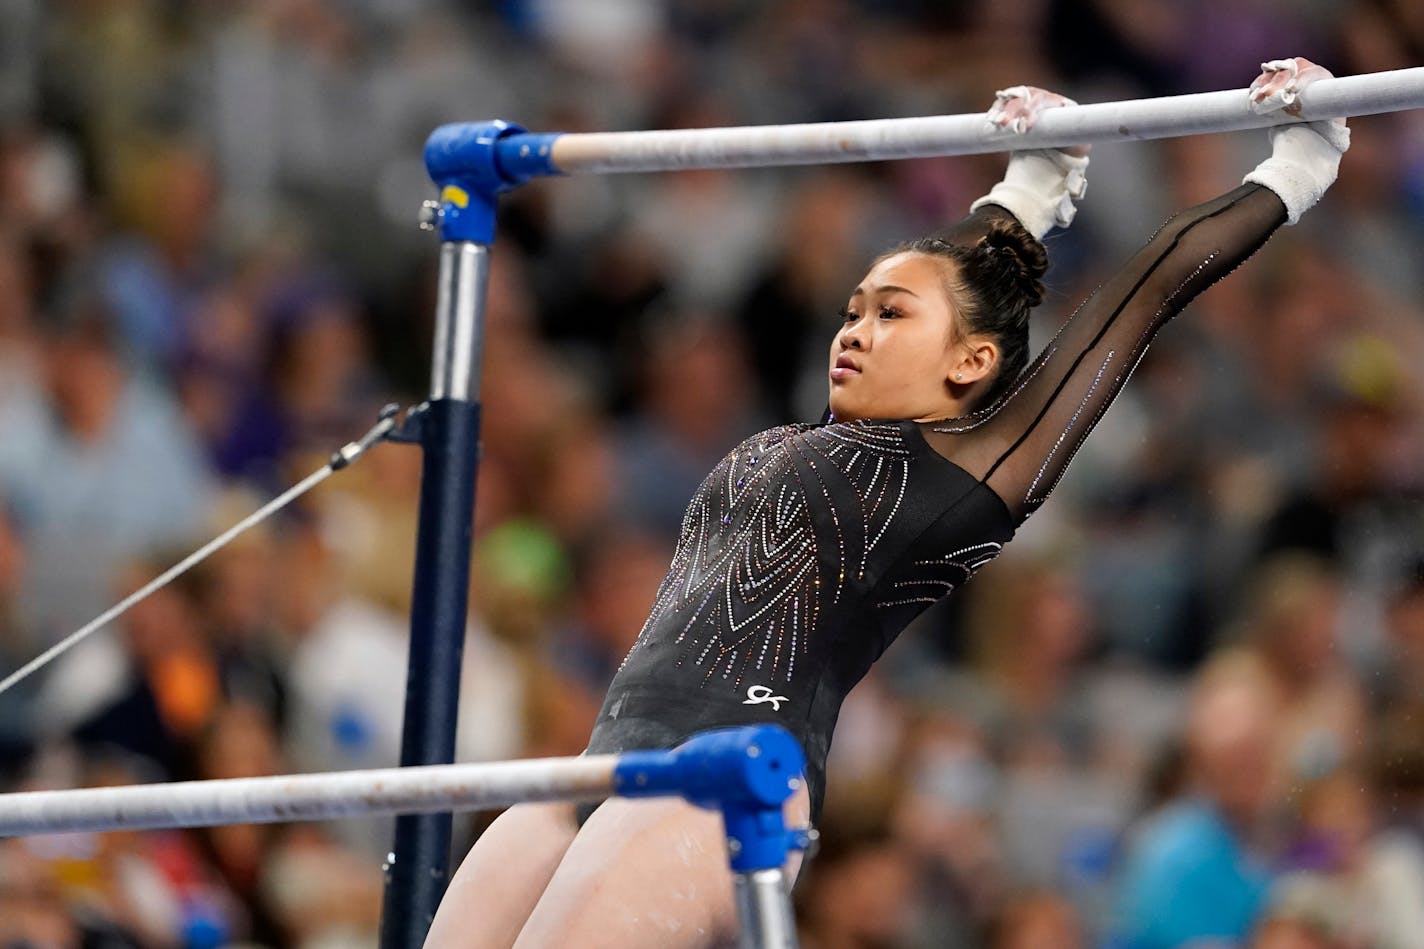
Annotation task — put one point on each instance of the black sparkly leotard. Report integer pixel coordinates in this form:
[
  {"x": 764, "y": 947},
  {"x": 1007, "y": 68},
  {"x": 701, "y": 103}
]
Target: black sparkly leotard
[{"x": 810, "y": 547}]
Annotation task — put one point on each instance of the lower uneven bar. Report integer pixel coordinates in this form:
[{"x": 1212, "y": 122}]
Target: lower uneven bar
[{"x": 305, "y": 797}]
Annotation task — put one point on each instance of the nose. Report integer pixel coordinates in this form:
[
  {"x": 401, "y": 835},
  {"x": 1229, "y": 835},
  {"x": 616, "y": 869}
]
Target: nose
[{"x": 851, "y": 336}]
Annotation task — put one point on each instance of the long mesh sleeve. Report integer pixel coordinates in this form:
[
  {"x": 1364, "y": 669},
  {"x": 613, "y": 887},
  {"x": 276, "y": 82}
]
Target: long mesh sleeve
[{"x": 1021, "y": 446}]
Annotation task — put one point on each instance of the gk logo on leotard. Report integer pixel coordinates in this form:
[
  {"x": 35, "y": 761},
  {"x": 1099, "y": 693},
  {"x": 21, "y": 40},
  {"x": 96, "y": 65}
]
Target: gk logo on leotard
[{"x": 760, "y": 694}]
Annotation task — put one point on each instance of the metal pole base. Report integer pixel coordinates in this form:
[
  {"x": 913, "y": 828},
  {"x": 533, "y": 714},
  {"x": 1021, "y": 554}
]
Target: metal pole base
[
  {"x": 748, "y": 773},
  {"x": 764, "y": 909}
]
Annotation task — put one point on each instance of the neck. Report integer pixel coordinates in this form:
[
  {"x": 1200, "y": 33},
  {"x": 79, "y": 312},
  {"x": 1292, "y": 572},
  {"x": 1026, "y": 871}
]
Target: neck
[
  {"x": 957, "y": 409},
  {"x": 960, "y": 400}
]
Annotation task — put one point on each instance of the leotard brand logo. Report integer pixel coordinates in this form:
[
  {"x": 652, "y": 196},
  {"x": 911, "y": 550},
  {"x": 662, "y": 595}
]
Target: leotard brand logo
[{"x": 760, "y": 695}]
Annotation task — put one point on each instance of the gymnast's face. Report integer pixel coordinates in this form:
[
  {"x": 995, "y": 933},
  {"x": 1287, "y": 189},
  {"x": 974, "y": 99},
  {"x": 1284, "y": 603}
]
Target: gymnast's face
[{"x": 902, "y": 352}]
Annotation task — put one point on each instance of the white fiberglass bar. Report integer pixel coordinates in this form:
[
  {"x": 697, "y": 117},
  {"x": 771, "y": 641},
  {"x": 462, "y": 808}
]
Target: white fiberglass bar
[
  {"x": 814, "y": 144},
  {"x": 303, "y": 797}
]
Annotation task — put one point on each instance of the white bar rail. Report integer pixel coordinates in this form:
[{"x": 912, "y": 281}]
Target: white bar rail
[
  {"x": 879, "y": 139},
  {"x": 307, "y": 797}
]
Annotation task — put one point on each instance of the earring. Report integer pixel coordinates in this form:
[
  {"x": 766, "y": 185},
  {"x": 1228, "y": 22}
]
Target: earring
[{"x": 959, "y": 377}]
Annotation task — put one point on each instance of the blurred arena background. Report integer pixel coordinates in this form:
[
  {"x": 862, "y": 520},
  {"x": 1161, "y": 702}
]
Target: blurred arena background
[{"x": 211, "y": 277}]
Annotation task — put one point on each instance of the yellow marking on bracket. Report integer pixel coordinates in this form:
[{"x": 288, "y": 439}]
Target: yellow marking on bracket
[{"x": 456, "y": 196}]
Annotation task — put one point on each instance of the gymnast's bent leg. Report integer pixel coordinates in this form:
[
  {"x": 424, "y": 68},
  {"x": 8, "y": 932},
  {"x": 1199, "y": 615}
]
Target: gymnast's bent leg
[
  {"x": 650, "y": 874},
  {"x": 501, "y": 879}
]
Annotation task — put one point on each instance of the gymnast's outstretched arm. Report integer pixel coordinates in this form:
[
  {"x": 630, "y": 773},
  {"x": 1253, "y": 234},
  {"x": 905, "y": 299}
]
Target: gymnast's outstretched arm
[{"x": 1021, "y": 445}]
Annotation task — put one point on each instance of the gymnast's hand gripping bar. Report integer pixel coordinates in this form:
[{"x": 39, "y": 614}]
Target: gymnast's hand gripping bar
[{"x": 513, "y": 156}]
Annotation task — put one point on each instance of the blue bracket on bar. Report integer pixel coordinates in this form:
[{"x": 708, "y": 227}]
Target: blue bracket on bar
[
  {"x": 471, "y": 163},
  {"x": 747, "y": 773}
]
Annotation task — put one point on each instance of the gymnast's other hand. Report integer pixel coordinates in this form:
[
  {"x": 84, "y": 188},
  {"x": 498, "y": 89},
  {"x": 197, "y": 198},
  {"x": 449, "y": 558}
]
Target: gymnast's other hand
[
  {"x": 1281, "y": 82},
  {"x": 1305, "y": 156},
  {"x": 1040, "y": 184},
  {"x": 1279, "y": 87},
  {"x": 1017, "y": 108}
]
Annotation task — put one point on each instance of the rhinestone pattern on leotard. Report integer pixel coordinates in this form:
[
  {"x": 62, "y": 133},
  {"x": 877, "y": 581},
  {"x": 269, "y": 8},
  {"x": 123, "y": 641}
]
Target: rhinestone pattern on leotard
[{"x": 750, "y": 577}]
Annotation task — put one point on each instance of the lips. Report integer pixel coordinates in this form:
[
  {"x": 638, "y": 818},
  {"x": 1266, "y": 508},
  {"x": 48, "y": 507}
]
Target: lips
[{"x": 844, "y": 368}]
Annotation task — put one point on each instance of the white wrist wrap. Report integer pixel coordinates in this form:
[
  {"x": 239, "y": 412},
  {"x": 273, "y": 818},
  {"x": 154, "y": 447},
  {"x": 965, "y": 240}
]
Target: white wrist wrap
[
  {"x": 1304, "y": 160},
  {"x": 1039, "y": 188}
]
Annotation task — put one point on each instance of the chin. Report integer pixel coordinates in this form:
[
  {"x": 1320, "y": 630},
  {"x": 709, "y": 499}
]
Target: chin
[{"x": 840, "y": 411}]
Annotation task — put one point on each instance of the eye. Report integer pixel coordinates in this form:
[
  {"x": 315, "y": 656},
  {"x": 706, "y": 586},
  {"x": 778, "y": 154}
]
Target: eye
[
  {"x": 890, "y": 313},
  {"x": 847, "y": 316}
]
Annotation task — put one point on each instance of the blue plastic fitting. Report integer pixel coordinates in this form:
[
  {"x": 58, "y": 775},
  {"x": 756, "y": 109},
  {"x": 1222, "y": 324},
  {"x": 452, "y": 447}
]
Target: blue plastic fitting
[
  {"x": 530, "y": 155},
  {"x": 472, "y": 162},
  {"x": 747, "y": 773}
]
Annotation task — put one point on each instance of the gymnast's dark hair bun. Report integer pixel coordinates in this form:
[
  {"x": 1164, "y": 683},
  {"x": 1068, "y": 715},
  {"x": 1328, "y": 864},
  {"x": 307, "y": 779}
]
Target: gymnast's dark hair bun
[
  {"x": 998, "y": 280},
  {"x": 1018, "y": 256}
]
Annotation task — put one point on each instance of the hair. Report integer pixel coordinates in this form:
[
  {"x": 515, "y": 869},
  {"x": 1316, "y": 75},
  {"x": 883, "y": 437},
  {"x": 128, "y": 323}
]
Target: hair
[{"x": 997, "y": 282}]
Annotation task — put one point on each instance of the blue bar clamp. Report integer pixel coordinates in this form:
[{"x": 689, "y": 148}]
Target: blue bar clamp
[
  {"x": 471, "y": 163},
  {"x": 746, "y": 773}
]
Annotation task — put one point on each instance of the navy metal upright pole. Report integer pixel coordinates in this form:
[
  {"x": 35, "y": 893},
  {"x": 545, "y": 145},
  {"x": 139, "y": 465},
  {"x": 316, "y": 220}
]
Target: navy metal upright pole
[{"x": 463, "y": 165}]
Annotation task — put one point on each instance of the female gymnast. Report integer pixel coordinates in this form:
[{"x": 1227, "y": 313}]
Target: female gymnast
[{"x": 810, "y": 547}]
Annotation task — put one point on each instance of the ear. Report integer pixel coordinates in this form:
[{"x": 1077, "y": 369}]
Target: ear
[{"x": 973, "y": 360}]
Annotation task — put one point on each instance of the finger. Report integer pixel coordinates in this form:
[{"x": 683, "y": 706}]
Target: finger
[
  {"x": 1006, "y": 101},
  {"x": 1274, "y": 77},
  {"x": 1010, "y": 115},
  {"x": 1279, "y": 89},
  {"x": 999, "y": 116},
  {"x": 1024, "y": 116},
  {"x": 1277, "y": 71},
  {"x": 1265, "y": 84}
]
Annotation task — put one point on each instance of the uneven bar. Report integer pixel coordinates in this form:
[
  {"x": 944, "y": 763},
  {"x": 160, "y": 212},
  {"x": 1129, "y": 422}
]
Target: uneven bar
[
  {"x": 305, "y": 797},
  {"x": 743, "y": 771},
  {"x": 881, "y": 139}
]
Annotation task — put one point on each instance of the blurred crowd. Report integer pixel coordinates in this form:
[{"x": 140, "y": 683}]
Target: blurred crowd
[{"x": 1185, "y": 709}]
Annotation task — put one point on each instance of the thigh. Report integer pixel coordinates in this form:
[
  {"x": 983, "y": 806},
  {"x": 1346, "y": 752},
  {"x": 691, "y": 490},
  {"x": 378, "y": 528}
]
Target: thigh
[
  {"x": 644, "y": 875},
  {"x": 501, "y": 879}
]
